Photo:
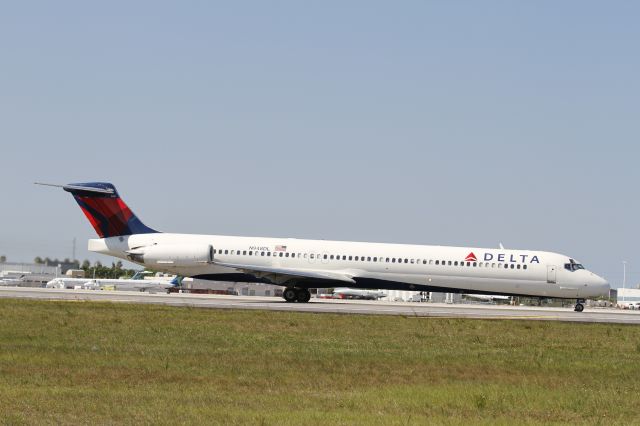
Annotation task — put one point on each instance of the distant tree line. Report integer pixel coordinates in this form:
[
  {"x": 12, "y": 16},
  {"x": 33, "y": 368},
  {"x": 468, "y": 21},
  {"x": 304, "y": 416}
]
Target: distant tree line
[
  {"x": 101, "y": 271},
  {"x": 3, "y": 258},
  {"x": 97, "y": 269}
]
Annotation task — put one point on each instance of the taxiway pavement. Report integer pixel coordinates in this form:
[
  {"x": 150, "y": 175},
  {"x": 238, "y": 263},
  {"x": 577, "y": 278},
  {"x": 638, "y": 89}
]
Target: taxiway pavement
[{"x": 408, "y": 309}]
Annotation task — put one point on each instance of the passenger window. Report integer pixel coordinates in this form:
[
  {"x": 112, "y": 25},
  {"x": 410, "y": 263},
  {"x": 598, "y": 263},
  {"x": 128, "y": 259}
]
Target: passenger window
[
  {"x": 524, "y": 266},
  {"x": 449, "y": 263},
  {"x": 331, "y": 257},
  {"x": 518, "y": 266},
  {"x": 350, "y": 257},
  {"x": 325, "y": 256},
  {"x": 475, "y": 264},
  {"x": 312, "y": 256},
  {"x": 431, "y": 262},
  {"x": 261, "y": 253},
  {"x": 393, "y": 260},
  {"x": 437, "y": 262},
  {"x": 424, "y": 262},
  {"x": 455, "y": 263},
  {"x": 387, "y": 260},
  {"x": 356, "y": 258},
  {"x": 512, "y": 267},
  {"x": 368, "y": 259},
  {"x": 293, "y": 255},
  {"x": 375, "y": 259},
  {"x": 244, "y": 253},
  {"x": 413, "y": 261}
]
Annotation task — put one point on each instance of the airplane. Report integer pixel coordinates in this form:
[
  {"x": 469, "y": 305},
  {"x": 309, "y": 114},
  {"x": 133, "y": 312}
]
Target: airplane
[
  {"x": 9, "y": 281},
  {"x": 136, "y": 283},
  {"x": 298, "y": 264},
  {"x": 354, "y": 293},
  {"x": 486, "y": 297}
]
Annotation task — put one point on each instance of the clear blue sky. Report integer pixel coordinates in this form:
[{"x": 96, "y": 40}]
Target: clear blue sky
[{"x": 454, "y": 123}]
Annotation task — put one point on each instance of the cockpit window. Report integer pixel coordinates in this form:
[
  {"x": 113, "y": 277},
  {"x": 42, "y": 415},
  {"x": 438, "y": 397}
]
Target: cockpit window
[{"x": 573, "y": 266}]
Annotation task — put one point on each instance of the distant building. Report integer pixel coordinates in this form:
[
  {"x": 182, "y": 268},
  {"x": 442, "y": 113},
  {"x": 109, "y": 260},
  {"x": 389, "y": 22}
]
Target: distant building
[
  {"x": 626, "y": 296},
  {"x": 75, "y": 273},
  {"x": 232, "y": 288},
  {"x": 29, "y": 274},
  {"x": 436, "y": 297},
  {"x": 64, "y": 266},
  {"x": 406, "y": 296}
]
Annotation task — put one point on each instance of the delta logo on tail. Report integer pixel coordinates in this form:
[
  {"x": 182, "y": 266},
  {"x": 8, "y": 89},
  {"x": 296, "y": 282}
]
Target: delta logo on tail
[{"x": 471, "y": 258}]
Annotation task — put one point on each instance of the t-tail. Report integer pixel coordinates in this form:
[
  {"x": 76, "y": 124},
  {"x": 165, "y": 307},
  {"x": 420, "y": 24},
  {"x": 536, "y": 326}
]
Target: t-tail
[{"x": 104, "y": 208}]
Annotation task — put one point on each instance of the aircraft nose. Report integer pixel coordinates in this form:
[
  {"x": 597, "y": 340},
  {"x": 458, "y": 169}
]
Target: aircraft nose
[{"x": 601, "y": 285}]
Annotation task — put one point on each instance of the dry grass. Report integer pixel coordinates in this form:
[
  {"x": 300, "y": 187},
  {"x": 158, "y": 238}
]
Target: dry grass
[{"x": 65, "y": 362}]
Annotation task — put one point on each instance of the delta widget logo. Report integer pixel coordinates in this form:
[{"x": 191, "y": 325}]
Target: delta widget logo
[{"x": 471, "y": 258}]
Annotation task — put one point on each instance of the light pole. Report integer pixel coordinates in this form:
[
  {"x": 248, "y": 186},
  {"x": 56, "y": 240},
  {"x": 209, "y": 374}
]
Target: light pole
[{"x": 624, "y": 273}]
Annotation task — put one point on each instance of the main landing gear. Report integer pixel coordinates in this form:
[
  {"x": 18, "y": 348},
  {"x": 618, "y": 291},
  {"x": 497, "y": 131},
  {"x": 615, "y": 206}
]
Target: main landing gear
[
  {"x": 296, "y": 294},
  {"x": 579, "y": 305}
]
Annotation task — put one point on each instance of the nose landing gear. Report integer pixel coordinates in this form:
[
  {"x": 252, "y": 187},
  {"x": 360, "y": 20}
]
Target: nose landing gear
[{"x": 579, "y": 305}]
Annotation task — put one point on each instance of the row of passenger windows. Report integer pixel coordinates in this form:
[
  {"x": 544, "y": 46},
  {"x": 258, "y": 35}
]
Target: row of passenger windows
[{"x": 372, "y": 259}]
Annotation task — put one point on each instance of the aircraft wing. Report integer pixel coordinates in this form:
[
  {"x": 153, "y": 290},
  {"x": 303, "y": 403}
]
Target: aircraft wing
[{"x": 282, "y": 275}]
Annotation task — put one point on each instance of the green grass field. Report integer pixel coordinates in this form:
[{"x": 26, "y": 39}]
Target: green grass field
[{"x": 66, "y": 362}]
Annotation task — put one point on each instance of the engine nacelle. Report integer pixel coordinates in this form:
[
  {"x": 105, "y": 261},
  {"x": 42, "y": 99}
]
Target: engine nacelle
[{"x": 173, "y": 255}]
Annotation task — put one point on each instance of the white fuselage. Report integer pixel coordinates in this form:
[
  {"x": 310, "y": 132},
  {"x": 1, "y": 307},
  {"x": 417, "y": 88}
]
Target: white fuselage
[{"x": 371, "y": 265}]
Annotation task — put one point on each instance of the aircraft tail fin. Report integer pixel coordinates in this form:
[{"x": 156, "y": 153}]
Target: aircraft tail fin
[
  {"x": 108, "y": 214},
  {"x": 177, "y": 281}
]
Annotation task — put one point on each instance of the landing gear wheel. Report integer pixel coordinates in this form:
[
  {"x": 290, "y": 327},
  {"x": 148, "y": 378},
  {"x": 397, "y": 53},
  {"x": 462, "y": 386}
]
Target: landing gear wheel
[
  {"x": 290, "y": 294},
  {"x": 579, "y": 307},
  {"x": 303, "y": 295}
]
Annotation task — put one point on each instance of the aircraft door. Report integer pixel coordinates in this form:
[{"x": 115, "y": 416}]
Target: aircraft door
[{"x": 551, "y": 274}]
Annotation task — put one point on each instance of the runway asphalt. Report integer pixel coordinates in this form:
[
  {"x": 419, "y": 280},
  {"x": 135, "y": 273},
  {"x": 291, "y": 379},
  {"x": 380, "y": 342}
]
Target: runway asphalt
[{"x": 419, "y": 310}]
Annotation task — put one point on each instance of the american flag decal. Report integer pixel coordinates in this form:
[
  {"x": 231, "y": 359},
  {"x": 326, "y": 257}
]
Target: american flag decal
[{"x": 281, "y": 248}]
